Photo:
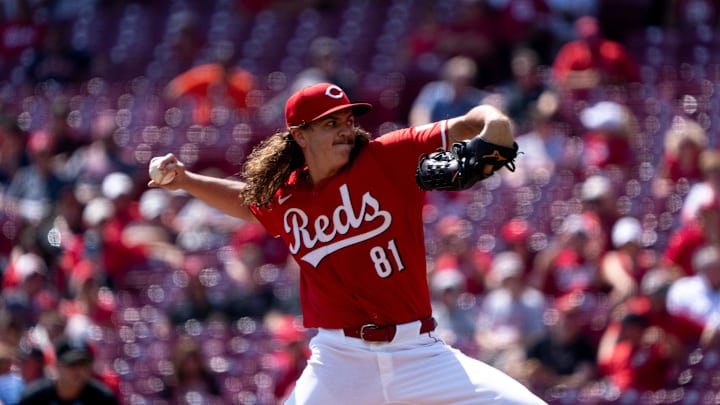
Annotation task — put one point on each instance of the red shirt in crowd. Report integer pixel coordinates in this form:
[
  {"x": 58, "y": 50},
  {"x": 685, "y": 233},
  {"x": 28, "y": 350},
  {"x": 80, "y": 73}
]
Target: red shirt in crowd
[
  {"x": 609, "y": 58},
  {"x": 682, "y": 245},
  {"x": 640, "y": 367},
  {"x": 684, "y": 329}
]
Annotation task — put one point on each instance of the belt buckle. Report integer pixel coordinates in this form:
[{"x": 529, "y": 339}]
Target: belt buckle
[{"x": 370, "y": 326}]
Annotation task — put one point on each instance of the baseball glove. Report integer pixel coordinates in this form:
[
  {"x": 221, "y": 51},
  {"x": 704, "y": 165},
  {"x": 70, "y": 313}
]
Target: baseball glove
[{"x": 465, "y": 164}]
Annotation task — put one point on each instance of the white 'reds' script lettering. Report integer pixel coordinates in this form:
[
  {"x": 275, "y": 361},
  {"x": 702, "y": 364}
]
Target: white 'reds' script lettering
[{"x": 344, "y": 218}]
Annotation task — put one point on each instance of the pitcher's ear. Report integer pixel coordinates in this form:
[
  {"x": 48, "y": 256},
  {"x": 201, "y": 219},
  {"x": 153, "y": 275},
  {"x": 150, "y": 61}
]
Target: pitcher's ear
[{"x": 299, "y": 136}]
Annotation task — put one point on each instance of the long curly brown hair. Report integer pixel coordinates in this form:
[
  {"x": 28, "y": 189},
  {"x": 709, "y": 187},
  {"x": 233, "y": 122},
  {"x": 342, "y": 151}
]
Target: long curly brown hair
[{"x": 271, "y": 162}]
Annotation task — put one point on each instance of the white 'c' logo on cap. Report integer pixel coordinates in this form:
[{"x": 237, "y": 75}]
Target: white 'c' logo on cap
[{"x": 334, "y": 91}]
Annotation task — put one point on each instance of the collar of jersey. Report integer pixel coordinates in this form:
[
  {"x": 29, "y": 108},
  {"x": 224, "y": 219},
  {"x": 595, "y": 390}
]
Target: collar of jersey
[{"x": 297, "y": 180}]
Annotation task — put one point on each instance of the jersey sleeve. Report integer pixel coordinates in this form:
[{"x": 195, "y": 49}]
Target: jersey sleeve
[
  {"x": 399, "y": 151},
  {"x": 269, "y": 222}
]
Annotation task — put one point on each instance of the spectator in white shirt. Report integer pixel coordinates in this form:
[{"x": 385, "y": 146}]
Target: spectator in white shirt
[
  {"x": 511, "y": 315},
  {"x": 698, "y": 296}
]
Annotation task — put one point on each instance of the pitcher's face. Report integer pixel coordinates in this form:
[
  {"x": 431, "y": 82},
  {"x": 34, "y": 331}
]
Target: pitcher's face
[{"x": 327, "y": 143}]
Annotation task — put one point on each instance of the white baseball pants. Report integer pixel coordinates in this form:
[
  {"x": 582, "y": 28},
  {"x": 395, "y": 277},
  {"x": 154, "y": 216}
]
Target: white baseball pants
[{"x": 412, "y": 369}]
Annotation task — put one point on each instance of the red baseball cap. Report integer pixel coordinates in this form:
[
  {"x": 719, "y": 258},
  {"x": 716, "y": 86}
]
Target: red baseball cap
[
  {"x": 517, "y": 230},
  {"x": 314, "y": 102}
]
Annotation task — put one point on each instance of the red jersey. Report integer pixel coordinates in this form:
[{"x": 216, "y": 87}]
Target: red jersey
[
  {"x": 683, "y": 243},
  {"x": 602, "y": 150},
  {"x": 569, "y": 272},
  {"x": 678, "y": 326},
  {"x": 676, "y": 170},
  {"x": 610, "y": 58},
  {"x": 358, "y": 236},
  {"x": 641, "y": 367}
]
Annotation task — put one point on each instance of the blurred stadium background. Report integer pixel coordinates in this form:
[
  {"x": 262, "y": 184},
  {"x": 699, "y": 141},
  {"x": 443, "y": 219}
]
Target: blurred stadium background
[{"x": 96, "y": 88}]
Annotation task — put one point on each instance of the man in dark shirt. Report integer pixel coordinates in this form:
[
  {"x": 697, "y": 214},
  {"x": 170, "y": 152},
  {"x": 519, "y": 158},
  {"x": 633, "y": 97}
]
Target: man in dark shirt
[
  {"x": 565, "y": 355},
  {"x": 74, "y": 384}
]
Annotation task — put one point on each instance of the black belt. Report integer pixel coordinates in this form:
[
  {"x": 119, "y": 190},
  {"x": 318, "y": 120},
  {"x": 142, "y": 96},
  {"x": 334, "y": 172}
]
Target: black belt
[{"x": 376, "y": 333}]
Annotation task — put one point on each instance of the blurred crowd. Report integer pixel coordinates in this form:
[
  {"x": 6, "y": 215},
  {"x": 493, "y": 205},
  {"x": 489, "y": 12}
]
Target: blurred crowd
[{"x": 591, "y": 273}]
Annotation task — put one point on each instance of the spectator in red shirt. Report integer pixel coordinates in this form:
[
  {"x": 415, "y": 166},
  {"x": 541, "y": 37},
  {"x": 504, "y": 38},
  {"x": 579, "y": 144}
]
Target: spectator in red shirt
[
  {"x": 607, "y": 142},
  {"x": 91, "y": 304},
  {"x": 684, "y": 142},
  {"x": 291, "y": 355},
  {"x": 700, "y": 224},
  {"x": 122, "y": 245},
  {"x": 696, "y": 296},
  {"x": 700, "y": 218},
  {"x": 117, "y": 254},
  {"x": 421, "y": 43},
  {"x": 570, "y": 263},
  {"x": 665, "y": 344},
  {"x": 455, "y": 251},
  {"x": 592, "y": 60},
  {"x": 634, "y": 355},
  {"x": 517, "y": 237},
  {"x": 652, "y": 303}
]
